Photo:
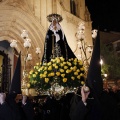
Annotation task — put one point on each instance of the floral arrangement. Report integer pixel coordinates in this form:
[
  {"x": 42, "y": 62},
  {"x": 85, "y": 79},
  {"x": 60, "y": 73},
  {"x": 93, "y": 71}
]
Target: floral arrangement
[{"x": 68, "y": 73}]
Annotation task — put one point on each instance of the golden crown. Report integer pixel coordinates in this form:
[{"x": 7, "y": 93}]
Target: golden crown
[{"x": 51, "y": 17}]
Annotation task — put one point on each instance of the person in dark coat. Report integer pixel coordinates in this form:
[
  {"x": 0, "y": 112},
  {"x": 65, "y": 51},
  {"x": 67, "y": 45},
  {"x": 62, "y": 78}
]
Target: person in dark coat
[
  {"x": 88, "y": 108},
  {"x": 51, "y": 109},
  {"x": 14, "y": 106},
  {"x": 27, "y": 108},
  {"x": 5, "y": 111},
  {"x": 56, "y": 44},
  {"x": 65, "y": 106},
  {"x": 78, "y": 110},
  {"x": 100, "y": 107}
]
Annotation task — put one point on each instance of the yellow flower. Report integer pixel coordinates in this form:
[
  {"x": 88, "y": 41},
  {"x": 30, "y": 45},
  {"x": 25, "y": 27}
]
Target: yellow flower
[
  {"x": 49, "y": 75},
  {"x": 52, "y": 73},
  {"x": 50, "y": 68},
  {"x": 62, "y": 59},
  {"x": 75, "y": 73},
  {"x": 45, "y": 72},
  {"x": 67, "y": 71},
  {"x": 73, "y": 78},
  {"x": 45, "y": 63},
  {"x": 61, "y": 70},
  {"x": 63, "y": 75},
  {"x": 64, "y": 80},
  {"x": 58, "y": 73},
  {"x": 37, "y": 67},
  {"x": 69, "y": 63},
  {"x": 42, "y": 68},
  {"x": 61, "y": 64},
  {"x": 34, "y": 75},
  {"x": 71, "y": 68},
  {"x": 74, "y": 68},
  {"x": 78, "y": 77},
  {"x": 28, "y": 85},
  {"x": 56, "y": 67},
  {"x": 82, "y": 82},
  {"x": 81, "y": 74},
  {"x": 64, "y": 63},
  {"x": 80, "y": 62},
  {"x": 49, "y": 63},
  {"x": 41, "y": 75},
  {"x": 31, "y": 72},
  {"x": 45, "y": 68},
  {"x": 65, "y": 67},
  {"x": 46, "y": 80},
  {"x": 28, "y": 76},
  {"x": 58, "y": 60},
  {"x": 82, "y": 69},
  {"x": 75, "y": 63},
  {"x": 44, "y": 75},
  {"x": 70, "y": 71},
  {"x": 75, "y": 60}
]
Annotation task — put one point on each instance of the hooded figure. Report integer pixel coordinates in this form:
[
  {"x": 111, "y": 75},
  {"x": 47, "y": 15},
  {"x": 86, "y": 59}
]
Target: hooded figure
[
  {"x": 94, "y": 79},
  {"x": 5, "y": 111},
  {"x": 15, "y": 89},
  {"x": 91, "y": 110},
  {"x": 16, "y": 80}
]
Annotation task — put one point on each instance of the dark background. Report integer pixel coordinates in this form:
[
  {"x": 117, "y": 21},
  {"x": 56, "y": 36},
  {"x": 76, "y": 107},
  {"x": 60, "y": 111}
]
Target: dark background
[{"x": 105, "y": 14}]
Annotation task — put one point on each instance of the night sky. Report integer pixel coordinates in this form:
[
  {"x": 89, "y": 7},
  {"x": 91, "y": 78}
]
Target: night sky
[{"x": 105, "y": 14}]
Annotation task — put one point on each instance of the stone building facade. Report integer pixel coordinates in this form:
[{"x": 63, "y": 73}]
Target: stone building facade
[{"x": 30, "y": 15}]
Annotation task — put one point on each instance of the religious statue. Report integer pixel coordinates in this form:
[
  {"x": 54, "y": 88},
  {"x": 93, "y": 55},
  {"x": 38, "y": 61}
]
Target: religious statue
[{"x": 55, "y": 42}]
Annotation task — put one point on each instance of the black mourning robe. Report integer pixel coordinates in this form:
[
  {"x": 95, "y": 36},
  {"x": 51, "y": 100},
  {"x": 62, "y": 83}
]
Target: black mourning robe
[
  {"x": 28, "y": 110},
  {"x": 61, "y": 47},
  {"x": 51, "y": 109},
  {"x": 14, "y": 106},
  {"x": 103, "y": 109},
  {"x": 5, "y": 112}
]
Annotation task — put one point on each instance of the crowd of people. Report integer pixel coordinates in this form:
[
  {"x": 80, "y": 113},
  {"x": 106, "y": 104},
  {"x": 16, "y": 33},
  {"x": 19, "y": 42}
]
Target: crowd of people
[
  {"x": 104, "y": 107},
  {"x": 14, "y": 108},
  {"x": 79, "y": 106}
]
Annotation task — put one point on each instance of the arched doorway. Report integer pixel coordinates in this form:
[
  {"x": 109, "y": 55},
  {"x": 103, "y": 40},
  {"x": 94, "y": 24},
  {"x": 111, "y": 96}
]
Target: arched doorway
[
  {"x": 5, "y": 72},
  {"x": 5, "y": 67}
]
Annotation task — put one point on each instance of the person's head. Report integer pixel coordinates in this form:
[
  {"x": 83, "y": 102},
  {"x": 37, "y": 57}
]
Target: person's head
[
  {"x": 13, "y": 95},
  {"x": 114, "y": 88},
  {"x": 2, "y": 97},
  {"x": 54, "y": 22}
]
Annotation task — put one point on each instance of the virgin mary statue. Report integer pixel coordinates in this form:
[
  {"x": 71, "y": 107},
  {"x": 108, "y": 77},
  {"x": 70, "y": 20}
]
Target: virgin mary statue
[{"x": 55, "y": 42}]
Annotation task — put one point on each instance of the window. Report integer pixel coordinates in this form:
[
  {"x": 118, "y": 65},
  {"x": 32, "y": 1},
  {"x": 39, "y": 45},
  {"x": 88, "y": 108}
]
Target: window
[
  {"x": 73, "y": 7},
  {"x": 118, "y": 46}
]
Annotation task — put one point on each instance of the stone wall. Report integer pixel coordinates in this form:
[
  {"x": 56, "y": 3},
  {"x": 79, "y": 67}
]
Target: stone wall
[{"x": 16, "y": 15}]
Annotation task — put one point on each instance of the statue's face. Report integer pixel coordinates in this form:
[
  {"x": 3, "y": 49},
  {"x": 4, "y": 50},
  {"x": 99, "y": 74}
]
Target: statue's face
[{"x": 54, "y": 22}]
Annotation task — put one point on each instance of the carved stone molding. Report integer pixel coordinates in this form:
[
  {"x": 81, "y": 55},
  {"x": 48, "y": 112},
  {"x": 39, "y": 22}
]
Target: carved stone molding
[{"x": 72, "y": 20}]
